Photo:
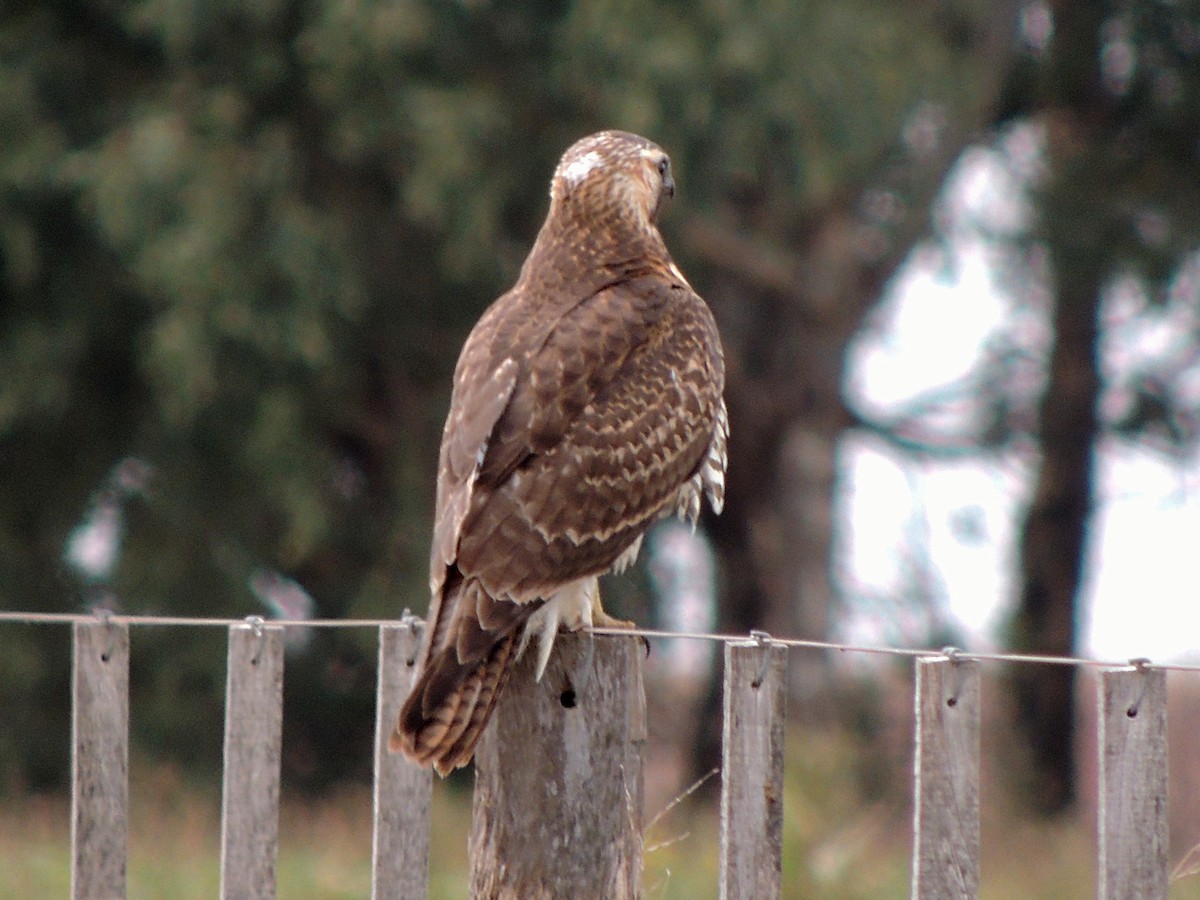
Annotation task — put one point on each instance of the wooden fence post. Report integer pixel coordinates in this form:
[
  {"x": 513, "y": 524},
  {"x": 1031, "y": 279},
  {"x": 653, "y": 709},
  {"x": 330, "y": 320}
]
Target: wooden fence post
[
  {"x": 400, "y": 842},
  {"x": 250, "y": 791},
  {"x": 752, "y": 770},
  {"x": 558, "y": 777},
  {"x": 1133, "y": 834},
  {"x": 946, "y": 780},
  {"x": 100, "y": 760}
]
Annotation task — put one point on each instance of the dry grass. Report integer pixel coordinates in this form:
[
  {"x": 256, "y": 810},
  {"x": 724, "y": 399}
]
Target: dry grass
[
  {"x": 175, "y": 837},
  {"x": 838, "y": 844}
]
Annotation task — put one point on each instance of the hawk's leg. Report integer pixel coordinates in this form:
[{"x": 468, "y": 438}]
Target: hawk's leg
[{"x": 572, "y": 607}]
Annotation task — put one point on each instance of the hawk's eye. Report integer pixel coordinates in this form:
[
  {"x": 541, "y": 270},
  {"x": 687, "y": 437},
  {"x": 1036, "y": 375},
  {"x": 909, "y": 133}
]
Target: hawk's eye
[{"x": 664, "y": 174}]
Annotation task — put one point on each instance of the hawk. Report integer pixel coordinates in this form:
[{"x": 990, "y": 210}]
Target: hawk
[{"x": 587, "y": 403}]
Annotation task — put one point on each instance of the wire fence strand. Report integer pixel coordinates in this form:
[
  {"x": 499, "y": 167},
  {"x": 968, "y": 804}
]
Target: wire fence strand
[{"x": 67, "y": 618}]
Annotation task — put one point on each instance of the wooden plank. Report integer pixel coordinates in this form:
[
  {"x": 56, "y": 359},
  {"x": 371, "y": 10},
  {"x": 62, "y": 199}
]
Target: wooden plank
[
  {"x": 558, "y": 777},
  {"x": 250, "y": 792},
  {"x": 1133, "y": 839},
  {"x": 100, "y": 760},
  {"x": 400, "y": 842},
  {"x": 752, "y": 770},
  {"x": 946, "y": 801}
]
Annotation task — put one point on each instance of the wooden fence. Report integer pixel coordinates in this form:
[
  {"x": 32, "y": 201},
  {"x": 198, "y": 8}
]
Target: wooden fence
[{"x": 558, "y": 797}]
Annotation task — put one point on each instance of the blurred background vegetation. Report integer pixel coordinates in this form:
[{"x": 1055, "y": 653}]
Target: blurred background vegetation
[{"x": 241, "y": 242}]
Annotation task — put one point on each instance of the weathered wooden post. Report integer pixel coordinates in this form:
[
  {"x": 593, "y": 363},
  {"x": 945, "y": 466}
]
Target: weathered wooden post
[
  {"x": 250, "y": 789},
  {"x": 558, "y": 777},
  {"x": 946, "y": 781},
  {"x": 100, "y": 760},
  {"x": 752, "y": 770},
  {"x": 1133, "y": 784},
  {"x": 400, "y": 843}
]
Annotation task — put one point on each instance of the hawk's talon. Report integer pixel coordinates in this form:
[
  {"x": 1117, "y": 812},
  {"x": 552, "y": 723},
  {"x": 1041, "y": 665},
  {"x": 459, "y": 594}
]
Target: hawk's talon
[
  {"x": 601, "y": 619},
  {"x": 604, "y": 620}
]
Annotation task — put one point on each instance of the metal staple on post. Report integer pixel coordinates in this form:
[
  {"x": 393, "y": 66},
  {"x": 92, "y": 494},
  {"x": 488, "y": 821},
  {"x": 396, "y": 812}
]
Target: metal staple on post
[
  {"x": 955, "y": 656},
  {"x": 762, "y": 639},
  {"x": 256, "y": 625},
  {"x": 1140, "y": 664}
]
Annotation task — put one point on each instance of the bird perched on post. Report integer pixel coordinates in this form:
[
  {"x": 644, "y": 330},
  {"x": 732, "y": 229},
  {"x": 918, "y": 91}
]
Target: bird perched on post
[{"x": 587, "y": 404}]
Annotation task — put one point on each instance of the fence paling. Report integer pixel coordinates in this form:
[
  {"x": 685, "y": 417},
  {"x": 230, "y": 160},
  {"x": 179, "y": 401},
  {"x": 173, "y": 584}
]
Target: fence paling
[
  {"x": 250, "y": 792},
  {"x": 570, "y": 748},
  {"x": 99, "y": 760},
  {"x": 752, "y": 770},
  {"x": 1132, "y": 742},
  {"x": 946, "y": 780},
  {"x": 400, "y": 838},
  {"x": 558, "y": 777}
]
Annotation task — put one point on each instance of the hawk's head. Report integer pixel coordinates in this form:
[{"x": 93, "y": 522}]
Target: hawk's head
[{"x": 613, "y": 174}]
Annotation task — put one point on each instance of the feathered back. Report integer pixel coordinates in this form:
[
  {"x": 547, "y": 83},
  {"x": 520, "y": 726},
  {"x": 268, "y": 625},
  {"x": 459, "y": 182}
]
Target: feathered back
[{"x": 586, "y": 404}]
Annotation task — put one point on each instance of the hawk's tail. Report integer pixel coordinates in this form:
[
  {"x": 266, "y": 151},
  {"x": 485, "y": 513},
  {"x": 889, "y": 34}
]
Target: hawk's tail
[
  {"x": 471, "y": 651},
  {"x": 450, "y": 705}
]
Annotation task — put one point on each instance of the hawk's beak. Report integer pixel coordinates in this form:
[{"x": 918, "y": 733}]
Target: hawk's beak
[{"x": 668, "y": 185}]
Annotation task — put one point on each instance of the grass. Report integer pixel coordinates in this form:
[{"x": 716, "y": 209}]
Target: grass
[
  {"x": 839, "y": 843},
  {"x": 175, "y": 837}
]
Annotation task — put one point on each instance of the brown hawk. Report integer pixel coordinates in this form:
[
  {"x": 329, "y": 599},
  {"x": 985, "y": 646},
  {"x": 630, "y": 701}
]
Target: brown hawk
[{"x": 587, "y": 404}]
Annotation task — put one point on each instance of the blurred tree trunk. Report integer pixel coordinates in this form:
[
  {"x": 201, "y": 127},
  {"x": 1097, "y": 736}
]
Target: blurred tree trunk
[
  {"x": 1077, "y": 229},
  {"x": 775, "y": 538},
  {"x": 789, "y": 309},
  {"x": 1053, "y": 539}
]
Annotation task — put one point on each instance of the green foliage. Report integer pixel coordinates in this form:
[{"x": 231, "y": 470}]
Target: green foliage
[
  {"x": 240, "y": 243},
  {"x": 1126, "y": 186}
]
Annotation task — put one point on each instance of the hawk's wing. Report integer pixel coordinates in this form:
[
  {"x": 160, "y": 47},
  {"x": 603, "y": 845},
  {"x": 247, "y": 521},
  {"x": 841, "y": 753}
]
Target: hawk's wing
[
  {"x": 587, "y": 402},
  {"x": 608, "y": 413},
  {"x": 567, "y": 436}
]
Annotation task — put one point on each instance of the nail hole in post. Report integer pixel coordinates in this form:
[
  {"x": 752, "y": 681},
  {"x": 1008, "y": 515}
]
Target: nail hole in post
[
  {"x": 763, "y": 639},
  {"x": 1142, "y": 665},
  {"x": 256, "y": 624},
  {"x": 952, "y": 654},
  {"x": 105, "y": 616}
]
